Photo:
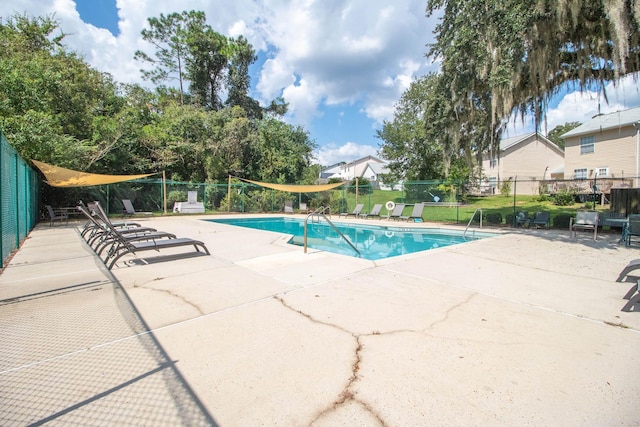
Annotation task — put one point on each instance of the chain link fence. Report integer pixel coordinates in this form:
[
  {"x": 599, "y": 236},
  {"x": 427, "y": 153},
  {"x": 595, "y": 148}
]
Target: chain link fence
[
  {"x": 19, "y": 196},
  {"x": 445, "y": 201}
]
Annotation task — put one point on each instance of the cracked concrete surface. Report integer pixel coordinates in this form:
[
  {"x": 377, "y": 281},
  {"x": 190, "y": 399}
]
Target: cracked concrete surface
[{"x": 513, "y": 330}]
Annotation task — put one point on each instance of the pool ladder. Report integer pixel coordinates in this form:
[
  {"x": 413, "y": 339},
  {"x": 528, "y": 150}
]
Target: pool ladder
[
  {"x": 471, "y": 220},
  {"x": 315, "y": 218}
]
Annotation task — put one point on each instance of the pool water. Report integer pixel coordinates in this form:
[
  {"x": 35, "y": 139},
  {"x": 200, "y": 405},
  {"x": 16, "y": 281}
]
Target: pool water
[{"x": 373, "y": 242}]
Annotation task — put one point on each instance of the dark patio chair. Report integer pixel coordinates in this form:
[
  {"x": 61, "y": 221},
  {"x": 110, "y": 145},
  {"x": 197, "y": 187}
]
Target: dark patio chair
[
  {"x": 56, "y": 215},
  {"x": 541, "y": 219}
]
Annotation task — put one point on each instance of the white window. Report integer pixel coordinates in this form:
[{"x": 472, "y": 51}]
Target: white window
[
  {"x": 587, "y": 144},
  {"x": 494, "y": 162},
  {"x": 580, "y": 173},
  {"x": 602, "y": 172}
]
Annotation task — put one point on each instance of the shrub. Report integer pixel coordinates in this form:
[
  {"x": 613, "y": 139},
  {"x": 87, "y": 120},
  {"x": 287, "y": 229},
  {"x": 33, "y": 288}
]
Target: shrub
[
  {"x": 564, "y": 197},
  {"x": 544, "y": 198},
  {"x": 364, "y": 186},
  {"x": 505, "y": 188},
  {"x": 494, "y": 218},
  {"x": 176, "y": 196},
  {"x": 561, "y": 220}
]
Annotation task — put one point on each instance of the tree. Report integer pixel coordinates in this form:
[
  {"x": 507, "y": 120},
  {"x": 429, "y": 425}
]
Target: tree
[
  {"x": 207, "y": 64},
  {"x": 238, "y": 79},
  {"x": 285, "y": 151},
  {"x": 555, "y": 133},
  {"x": 515, "y": 55},
  {"x": 417, "y": 142},
  {"x": 50, "y": 96},
  {"x": 169, "y": 34},
  {"x": 189, "y": 50}
]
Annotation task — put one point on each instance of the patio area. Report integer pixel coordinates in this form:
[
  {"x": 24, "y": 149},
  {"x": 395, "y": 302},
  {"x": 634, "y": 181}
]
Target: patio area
[{"x": 526, "y": 328}]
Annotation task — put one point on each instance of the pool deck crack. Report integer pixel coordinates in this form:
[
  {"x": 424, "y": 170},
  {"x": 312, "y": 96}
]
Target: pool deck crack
[
  {"x": 445, "y": 317},
  {"x": 168, "y": 292},
  {"x": 347, "y": 394}
]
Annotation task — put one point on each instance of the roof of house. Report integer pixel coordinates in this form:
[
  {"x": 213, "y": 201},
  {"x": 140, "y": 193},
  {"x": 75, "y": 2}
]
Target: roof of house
[
  {"x": 371, "y": 160},
  {"x": 507, "y": 143},
  {"x": 606, "y": 121}
]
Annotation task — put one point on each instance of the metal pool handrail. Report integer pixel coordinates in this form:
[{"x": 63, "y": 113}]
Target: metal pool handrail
[
  {"x": 320, "y": 212},
  {"x": 473, "y": 216}
]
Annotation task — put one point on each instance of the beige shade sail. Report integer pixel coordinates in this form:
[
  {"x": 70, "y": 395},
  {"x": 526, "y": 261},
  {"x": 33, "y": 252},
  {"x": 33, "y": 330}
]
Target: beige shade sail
[
  {"x": 61, "y": 177},
  {"x": 295, "y": 188}
]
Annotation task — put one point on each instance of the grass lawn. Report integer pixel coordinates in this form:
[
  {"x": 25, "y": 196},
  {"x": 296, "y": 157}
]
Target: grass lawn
[{"x": 494, "y": 208}]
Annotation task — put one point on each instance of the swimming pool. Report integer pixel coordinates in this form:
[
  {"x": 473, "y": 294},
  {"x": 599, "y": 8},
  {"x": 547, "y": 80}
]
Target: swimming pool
[{"x": 372, "y": 241}]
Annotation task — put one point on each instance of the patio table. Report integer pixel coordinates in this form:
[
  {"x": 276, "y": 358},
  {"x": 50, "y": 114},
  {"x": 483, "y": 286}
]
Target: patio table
[{"x": 619, "y": 222}]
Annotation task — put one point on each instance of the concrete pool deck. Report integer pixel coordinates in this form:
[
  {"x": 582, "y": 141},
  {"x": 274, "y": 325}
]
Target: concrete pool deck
[{"x": 526, "y": 328}]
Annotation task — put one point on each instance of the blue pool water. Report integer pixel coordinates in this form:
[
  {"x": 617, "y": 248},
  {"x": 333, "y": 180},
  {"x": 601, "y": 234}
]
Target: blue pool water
[{"x": 373, "y": 242}]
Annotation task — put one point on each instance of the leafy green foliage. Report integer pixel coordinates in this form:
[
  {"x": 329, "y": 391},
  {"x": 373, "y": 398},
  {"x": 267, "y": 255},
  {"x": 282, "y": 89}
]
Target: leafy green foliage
[
  {"x": 505, "y": 188},
  {"x": 364, "y": 186},
  {"x": 558, "y": 131},
  {"x": 494, "y": 217},
  {"x": 504, "y": 56},
  {"x": 564, "y": 197},
  {"x": 57, "y": 109},
  {"x": 413, "y": 141}
]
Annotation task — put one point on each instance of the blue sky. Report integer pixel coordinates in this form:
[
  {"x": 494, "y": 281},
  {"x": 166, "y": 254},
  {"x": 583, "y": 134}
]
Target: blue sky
[{"x": 340, "y": 65}]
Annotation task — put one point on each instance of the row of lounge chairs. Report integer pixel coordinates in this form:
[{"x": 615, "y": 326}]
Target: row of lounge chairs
[
  {"x": 395, "y": 214},
  {"x": 111, "y": 241}
]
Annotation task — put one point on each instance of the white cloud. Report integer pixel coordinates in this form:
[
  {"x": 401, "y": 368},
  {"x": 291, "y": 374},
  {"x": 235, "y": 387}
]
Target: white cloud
[
  {"x": 582, "y": 106},
  {"x": 358, "y": 52},
  {"x": 331, "y": 154}
]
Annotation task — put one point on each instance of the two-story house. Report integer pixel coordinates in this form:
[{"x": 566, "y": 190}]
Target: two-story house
[
  {"x": 607, "y": 146},
  {"x": 369, "y": 167},
  {"x": 525, "y": 160}
]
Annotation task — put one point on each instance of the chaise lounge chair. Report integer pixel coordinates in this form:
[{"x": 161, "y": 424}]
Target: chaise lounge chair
[
  {"x": 397, "y": 211},
  {"x": 585, "y": 220},
  {"x": 129, "y": 211},
  {"x": 375, "y": 211},
  {"x": 112, "y": 235},
  {"x": 288, "y": 207},
  {"x": 416, "y": 213},
  {"x": 95, "y": 227},
  {"x": 633, "y": 265},
  {"x": 122, "y": 247},
  {"x": 355, "y": 213}
]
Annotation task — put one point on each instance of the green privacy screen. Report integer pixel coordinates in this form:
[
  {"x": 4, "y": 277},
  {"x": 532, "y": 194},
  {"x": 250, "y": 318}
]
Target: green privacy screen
[{"x": 18, "y": 199}]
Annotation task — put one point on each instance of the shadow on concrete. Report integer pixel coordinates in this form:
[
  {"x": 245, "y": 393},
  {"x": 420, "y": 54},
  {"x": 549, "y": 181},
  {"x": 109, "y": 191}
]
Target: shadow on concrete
[{"x": 83, "y": 355}]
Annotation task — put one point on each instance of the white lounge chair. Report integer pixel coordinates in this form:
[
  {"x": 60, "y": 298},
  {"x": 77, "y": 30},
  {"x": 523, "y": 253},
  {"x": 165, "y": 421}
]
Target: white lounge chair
[
  {"x": 288, "y": 206},
  {"x": 585, "y": 220}
]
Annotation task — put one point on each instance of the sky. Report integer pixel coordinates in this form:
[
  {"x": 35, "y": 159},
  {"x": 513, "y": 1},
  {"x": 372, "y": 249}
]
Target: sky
[{"x": 340, "y": 65}]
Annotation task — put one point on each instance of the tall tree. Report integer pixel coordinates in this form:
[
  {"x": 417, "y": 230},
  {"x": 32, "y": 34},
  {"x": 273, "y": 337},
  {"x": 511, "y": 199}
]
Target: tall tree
[
  {"x": 517, "y": 54},
  {"x": 168, "y": 34},
  {"x": 555, "y": 133},
  {"x": 49, "y": 96},
  {"x": 417, "y": 141},
  {"x": 242, "y": 55},
  {"x": 207, "y": 64}
]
